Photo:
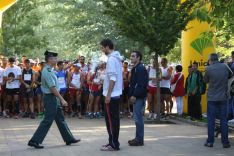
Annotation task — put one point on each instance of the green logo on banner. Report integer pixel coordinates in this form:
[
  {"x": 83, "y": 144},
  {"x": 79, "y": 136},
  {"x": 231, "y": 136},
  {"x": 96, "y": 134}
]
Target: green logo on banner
[{"x": 200, "y": 44}]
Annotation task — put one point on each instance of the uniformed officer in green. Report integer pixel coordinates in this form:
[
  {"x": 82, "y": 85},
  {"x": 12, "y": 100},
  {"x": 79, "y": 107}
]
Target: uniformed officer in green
[{"x": 52, "y": 103}]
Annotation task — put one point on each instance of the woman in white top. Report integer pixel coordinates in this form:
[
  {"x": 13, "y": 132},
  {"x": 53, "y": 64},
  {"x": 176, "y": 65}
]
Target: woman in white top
[{"x": 75, "y": 81}]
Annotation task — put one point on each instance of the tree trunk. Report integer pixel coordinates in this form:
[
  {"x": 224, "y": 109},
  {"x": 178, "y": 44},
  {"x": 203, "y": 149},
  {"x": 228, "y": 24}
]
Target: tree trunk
[{"x": 158, "y": 87}]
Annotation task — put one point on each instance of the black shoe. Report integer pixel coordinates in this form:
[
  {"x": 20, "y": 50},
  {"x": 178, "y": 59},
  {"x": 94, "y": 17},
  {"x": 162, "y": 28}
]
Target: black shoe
[
  {"x": 73, "y": 141},
  {"x": 208, "y": 144},
  {"x": 35, "y": 145},
  {"x": 25, "y": 115},
  {"x": 32, "y": 116},
  {"x": 226, "y": 145},
  {"x": 131, "y": 141},
  {"x": 134, "y": 142}
]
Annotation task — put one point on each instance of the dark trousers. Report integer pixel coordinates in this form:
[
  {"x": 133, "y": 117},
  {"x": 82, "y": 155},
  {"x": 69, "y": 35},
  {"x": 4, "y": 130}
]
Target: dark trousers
[
  {"x": 194, "y": 106},
  {"x": 113, "y": 121},
  {"x": 220, "y": 107},
  {"x": 139, "y": 120},
  {"x": 53, "y": 111}
]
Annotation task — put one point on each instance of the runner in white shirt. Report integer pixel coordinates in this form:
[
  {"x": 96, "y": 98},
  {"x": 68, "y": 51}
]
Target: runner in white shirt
[
  {"x": 12, "y": 78},
  {"x": 75, "y": 81},
  {"x": 165, "y": 84}
]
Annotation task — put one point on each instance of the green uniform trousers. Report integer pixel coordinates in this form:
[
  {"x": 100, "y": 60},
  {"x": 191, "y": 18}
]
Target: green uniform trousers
[{"x": 53, "y": 111}]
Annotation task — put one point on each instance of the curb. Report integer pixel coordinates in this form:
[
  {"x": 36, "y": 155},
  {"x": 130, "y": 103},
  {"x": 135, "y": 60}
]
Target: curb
[{"x": 195, "y": 123}]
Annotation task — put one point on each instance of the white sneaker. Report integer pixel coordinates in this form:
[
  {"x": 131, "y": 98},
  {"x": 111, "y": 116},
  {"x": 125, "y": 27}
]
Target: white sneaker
[
  {"x": 5, "y": 114},
  {"x": 130, "y": 115},
  {"x": 150, "y": 116},
  {"x": 231, "y": 121},
  {"x": 154, "y": 116}
]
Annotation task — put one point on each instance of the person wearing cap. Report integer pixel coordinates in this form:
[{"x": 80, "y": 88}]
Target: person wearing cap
[
  {"x": 53, "y": 103},
  {"x": 75, "y": 82},
  {"x": 34, "y": 65}
]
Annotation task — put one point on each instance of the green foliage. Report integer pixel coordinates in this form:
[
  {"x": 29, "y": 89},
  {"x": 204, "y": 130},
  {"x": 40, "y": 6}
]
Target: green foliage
[
  {"x": 220, "y": 15},
  {"x": 1, "y": 40},
  {"x": 18, "y": 28},
  {"x": 88, "y": 25},
  {"x": 69, "y": 27},
  {"x": 222, "y": 12},
  {"x": 174, "y": 55},
  {"x": 155, "y": 23}
]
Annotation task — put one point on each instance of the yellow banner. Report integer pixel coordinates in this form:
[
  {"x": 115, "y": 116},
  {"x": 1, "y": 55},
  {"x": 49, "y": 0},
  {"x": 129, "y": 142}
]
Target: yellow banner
[
  {"x": 5, "y": 4},
  {"x": 196, "y": 47}
]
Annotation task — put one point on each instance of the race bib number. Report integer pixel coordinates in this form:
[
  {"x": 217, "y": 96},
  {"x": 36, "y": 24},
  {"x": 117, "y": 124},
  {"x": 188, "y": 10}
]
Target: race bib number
[
  {"x": 96, "y": 80},
  {"x": 61, "y": 82},
  {"x": 152, "y": 74},
  {"x": 27, "y": 77}
]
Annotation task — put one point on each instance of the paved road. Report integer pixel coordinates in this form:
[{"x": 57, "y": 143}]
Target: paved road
[{"x": 160, "y": 140}]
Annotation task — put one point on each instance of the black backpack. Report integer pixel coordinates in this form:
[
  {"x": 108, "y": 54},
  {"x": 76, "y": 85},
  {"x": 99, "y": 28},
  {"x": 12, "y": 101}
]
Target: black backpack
[{"x": 202, "y": 84}]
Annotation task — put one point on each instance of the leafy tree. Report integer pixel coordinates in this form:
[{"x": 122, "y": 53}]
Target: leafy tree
[
  {"x": 174, "y": 55},
  {"x": 220, "y": 14},
  {"x": 88, "y": 25},
  {"x": 18, "y": 28},
  {"x": 69, "y": 27},
  {"x": 155, "y": 23}
]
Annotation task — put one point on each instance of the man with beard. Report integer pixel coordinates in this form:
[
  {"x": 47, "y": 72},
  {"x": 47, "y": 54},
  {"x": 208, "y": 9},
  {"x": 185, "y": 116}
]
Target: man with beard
[{"x": 112, "y": 90}]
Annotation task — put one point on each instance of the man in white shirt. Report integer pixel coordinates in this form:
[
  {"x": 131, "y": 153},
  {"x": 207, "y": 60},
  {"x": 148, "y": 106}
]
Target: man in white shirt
[
  {"x": 12, "y": 78},
  {"x": 112, "y": 89}
]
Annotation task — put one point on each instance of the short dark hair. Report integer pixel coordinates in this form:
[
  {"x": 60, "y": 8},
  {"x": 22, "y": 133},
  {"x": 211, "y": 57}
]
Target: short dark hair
[
  {"x": 26, "y": 61},
  {"x": 138, "y": 54},
  {"x": 232, "y": 53},
  {"x": 179, "y": 68},
  {"x": 214, "y": 57},
  {"x": 11, "y": 59},
  {"x": 107, "y": 43},
  {"x": 59, "y": 63},
  {"x": 126, "y": 63},
  {"x": 189, "y": 67},
  {"x": 81, "y": 57},
  {"x": 23, "y": 56},
  {"x": 195, "y": 63},
  {"x": 47, "y": 58},
  {"x": 41, "y": 63},
  {"x": 164, "y": 59}
]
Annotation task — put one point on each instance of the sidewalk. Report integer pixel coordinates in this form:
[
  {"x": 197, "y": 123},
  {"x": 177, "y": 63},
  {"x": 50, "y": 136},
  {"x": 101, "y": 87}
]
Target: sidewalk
[{"x": 160, "y": 140}]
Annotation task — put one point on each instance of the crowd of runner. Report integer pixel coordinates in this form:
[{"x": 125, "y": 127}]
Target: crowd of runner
[{"x": 81, "y": 85}]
